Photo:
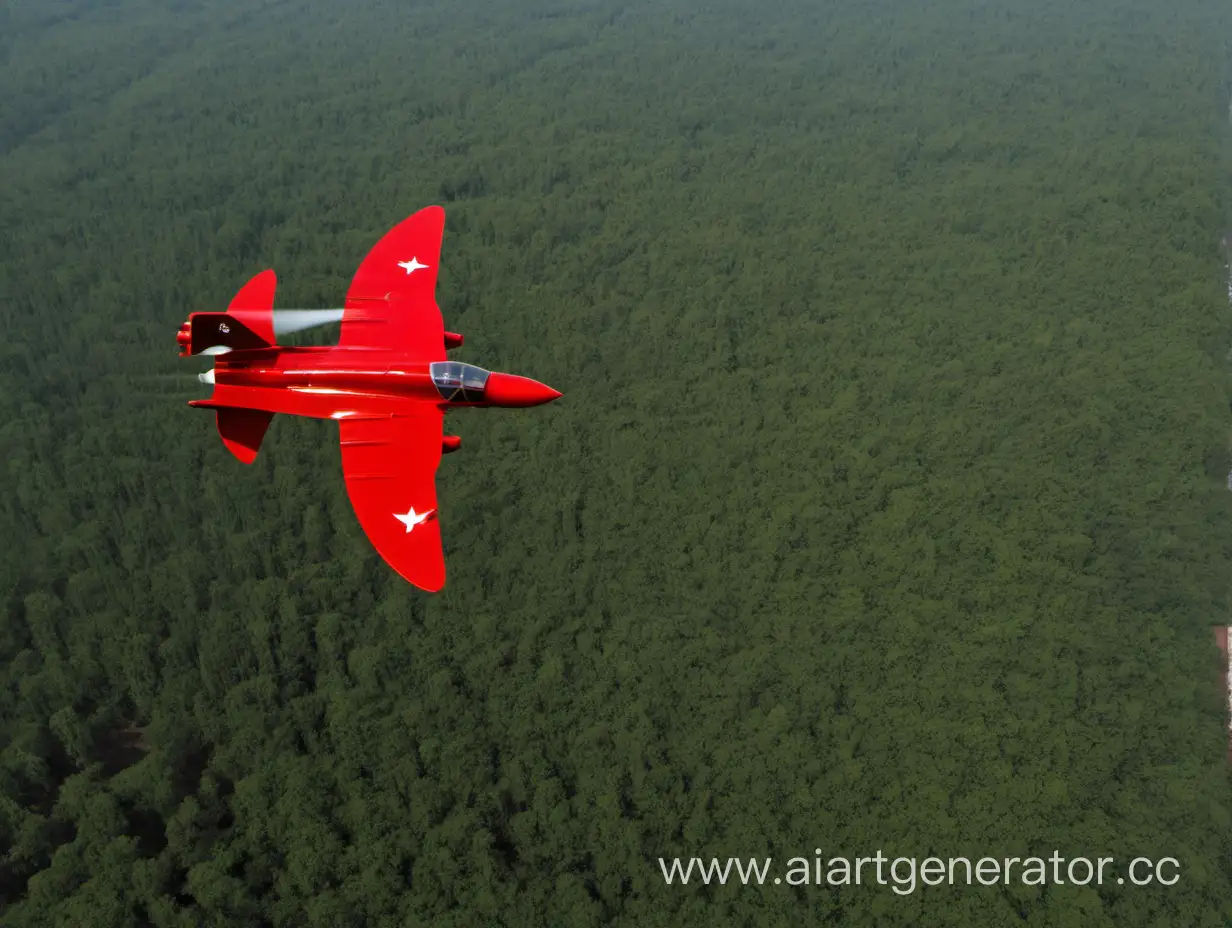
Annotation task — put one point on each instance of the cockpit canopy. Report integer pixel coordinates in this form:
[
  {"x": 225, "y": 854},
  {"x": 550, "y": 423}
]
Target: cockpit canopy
[{"x": 459, "y": 383}]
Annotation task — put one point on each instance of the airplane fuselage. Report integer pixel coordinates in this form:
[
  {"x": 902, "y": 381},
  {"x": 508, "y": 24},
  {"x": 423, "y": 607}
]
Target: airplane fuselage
[
  {"x": 339, "y": 382},
  {"x": 337, "y": 370}
]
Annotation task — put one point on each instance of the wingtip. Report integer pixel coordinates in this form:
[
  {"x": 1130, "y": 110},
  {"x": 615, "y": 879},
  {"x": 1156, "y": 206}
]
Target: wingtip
[{"x": 428, "y": 586}]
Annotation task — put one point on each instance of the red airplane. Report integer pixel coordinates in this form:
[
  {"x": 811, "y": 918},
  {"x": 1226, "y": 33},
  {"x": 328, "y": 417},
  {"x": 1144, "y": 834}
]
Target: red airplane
[{"x": 386, "y": 382}]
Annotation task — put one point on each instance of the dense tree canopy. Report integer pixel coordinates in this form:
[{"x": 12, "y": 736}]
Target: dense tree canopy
[{"x": 885, "y": 507}]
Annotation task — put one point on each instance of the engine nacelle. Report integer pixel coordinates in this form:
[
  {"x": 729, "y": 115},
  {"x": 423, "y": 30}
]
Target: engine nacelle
[
  {"x": 450, "y": 444},
  {"x": 453, "y": 340}
]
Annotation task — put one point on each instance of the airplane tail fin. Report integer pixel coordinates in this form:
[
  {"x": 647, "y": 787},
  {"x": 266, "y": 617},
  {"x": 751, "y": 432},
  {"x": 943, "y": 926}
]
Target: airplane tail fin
[
  {"x": 241, "y": 421},
  {"x": 241, "y": 430},
  {"x": 248, "y": 322}
]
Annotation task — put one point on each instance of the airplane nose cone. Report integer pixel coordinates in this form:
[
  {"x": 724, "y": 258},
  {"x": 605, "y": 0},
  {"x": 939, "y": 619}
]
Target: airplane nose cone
[{"x": 512, "y": 390}]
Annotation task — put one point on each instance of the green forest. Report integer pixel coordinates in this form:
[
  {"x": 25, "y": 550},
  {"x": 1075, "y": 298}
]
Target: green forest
[{"x": 886, "y": 507}]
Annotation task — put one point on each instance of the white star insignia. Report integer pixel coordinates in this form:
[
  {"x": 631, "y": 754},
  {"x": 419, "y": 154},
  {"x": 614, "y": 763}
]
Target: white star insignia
[
  {"x": 411, "y": 518},
  {"x": 412, "y": 265}
]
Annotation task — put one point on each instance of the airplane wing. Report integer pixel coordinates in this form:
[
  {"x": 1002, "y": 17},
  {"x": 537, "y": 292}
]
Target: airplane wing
[
  {"x": 392, "y": 299},
  {"x": 389, "y": 463}
]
